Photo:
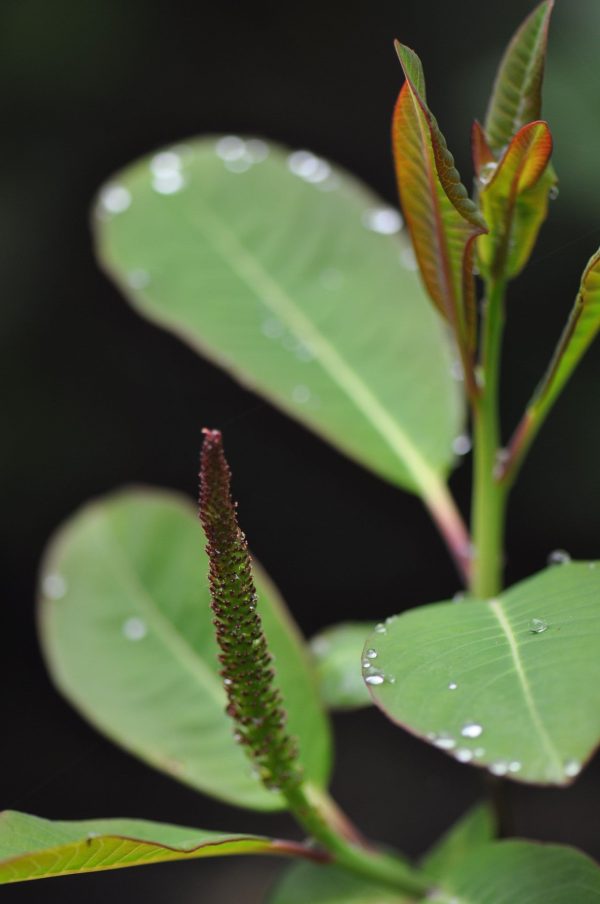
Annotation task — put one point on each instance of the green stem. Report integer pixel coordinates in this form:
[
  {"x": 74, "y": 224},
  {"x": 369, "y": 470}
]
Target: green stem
[
  {"x": 489, "y": 496},
  {"x": 321, "y": 818}
]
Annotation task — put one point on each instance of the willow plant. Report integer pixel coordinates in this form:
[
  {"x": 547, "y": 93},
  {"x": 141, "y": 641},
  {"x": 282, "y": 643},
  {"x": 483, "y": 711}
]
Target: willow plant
[{"x": 299, "y": 281}]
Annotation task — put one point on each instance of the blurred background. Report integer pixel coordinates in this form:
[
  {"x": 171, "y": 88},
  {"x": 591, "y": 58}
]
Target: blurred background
[{"x": 96, "y": 397}]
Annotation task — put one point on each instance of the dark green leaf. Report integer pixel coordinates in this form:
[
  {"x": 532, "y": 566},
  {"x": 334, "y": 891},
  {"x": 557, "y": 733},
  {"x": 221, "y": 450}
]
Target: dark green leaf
[
  {"x": 512, "y": 684},
  {"x": 127, "y": 633}
]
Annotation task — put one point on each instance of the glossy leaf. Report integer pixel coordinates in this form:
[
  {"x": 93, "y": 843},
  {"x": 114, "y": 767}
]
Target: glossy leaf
[
  {"x": 475, "y": 828},
  {"x": 443, "y": 221},
  {"x": 517, "y": 94},
  {"x": 580, "y": 331},
  {"x": 34, "y": 848},
  {"x": 306, "y": 882},
  {"x": 337, "y": 652},
  {"x": 522, "y": 872},
  {"x": 127, "y": 633},
  {"x": 514, "y": 199},
  {"x": 294, "y": 278},
  {"x": 512, "y": 684}
]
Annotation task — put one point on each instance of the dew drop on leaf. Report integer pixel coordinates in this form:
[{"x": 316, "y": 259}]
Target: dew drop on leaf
[
  {"x": 471, "y": 730},
  {"x": 538, "y": 626},
  {"x": 559, "y": 557}
]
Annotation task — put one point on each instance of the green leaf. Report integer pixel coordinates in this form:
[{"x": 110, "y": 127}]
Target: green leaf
[
  {"x": 517, "y": 93},
  {"x": 512, "y": 684},
  {"x": 337, "y": 654},
  {"x": 127, "y": 633},
  {"x": 34, "y": 848},
  {"x": 522, "y": 872},
  {"x": 475, "y": 828},
  {"x": 306, "y": 882},
  {"x": 443, "y": 221},
  {"x": 581, "y": 329},
  {"x": 514, "y": 198},
  {"x": 290, "y": 275}
]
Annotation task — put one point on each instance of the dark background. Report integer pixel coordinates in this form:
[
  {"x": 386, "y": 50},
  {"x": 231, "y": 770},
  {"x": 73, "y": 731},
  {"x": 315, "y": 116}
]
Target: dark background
[{"x": 95, "y": 397}]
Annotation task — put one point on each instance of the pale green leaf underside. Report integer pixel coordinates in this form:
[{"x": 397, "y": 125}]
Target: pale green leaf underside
[
  {"x": 512, "y": 684},
  {"x": 304, "y": 882},
  {"x": 280, "y": 275},
  {"x": 34, "y": 848},
  {"x": 476, "y": 827},
  {"x": 127, "y": 632},
  {"x": 508, "y": 872},
  {"x": 337, "y": 652}
]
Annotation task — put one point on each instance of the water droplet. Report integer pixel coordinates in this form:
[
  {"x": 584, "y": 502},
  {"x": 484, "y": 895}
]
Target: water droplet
[
  {"x": 559, "y": 557},
  {"x": 392, "y": 679},
  {"x": 92, "y": 835},
  {"x": 227, "y": 682},
  {"x": 301, "y": 394},
  {"x": 257, "y": 150},
  {"x": 452, "y": 686},
  {"x": 230, "y": 147},
  {"x": 385, "y": 220},
  {"x": 461, "y": 445},
  {"x": 479, "y": 751},
  {"x": 443, "y": 740},
  {"x": 592, "y": 565},
  {"x": 514, "y": 766},
  {"x": 134, "y": 628},
  {"x": 308, "y": 166},
  {"x": 459, "y": 596},
  {"x": 115, "y": 199},
  {"x": 331, "y": 278},
  {"x": 391, "y": 619},
  {"x": 463, "y": 755},
  {"x": 554, "y": 193},
  {"x": 486, "y": 172},
  {"x": 165, "y": 163},
  {"x": 572, "y": 768},
  {"x": 408, "y": 258},
  {"x": 304, "y": 352},
  {"x": 54, "y": 586},
  {"x": 366, "y": 664},
  {"x": 371, "y": 654},
  {"x": 320, "y": 646},
  {"x": 374, "y": 679},
  {"x": 272, "y": 328},
  {"x": 380, "y": 628},
  {"x": 168, "y": 182},
  {"x": 238, "y": 166},
  {"x": 499, "y": 767},
  {"x": 138, "y": 279},
  {"x": 456, "y": 371},
  {"x": 471, "y": 730},
  {"x": 537, "y": 626}
]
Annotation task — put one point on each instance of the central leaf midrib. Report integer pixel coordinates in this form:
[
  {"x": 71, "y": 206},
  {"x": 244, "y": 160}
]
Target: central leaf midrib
[{"x": 498, "y": 610}]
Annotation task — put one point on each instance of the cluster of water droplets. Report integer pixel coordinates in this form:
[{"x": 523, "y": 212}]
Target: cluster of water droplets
[
  {"x": 373, "y": 675},
  {"x": 239, "y": 154},
  {"x": 312, "y": 169},
  {"x": 166, "y": 169}
]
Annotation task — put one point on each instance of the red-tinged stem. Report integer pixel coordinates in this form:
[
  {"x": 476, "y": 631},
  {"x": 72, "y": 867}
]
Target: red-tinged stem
[
  {"x": 298, "y": 849},
  {"x": 517, "y": 449},
  {"x": 452, "y": 528}
]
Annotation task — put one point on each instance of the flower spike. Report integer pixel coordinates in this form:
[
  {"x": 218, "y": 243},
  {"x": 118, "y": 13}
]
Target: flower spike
[{"x": 255, "y": 703}]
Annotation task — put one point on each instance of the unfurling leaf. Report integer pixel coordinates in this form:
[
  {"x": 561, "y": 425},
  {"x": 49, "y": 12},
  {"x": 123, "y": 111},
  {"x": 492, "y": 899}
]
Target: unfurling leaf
[
  {"x": 517, "y": 93},
  {"x": 581, "y": 329},
  {"x": 34, "y": 848},
  {"x": 514, "y": 199},
  {"x": 442, "y": 219},
  {"x": 255, "y": 703}
]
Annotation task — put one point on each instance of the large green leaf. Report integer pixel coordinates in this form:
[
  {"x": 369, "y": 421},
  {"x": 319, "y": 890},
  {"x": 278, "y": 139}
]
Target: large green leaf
[
  {"x": 475, "y": 828},
  {"x": 127, "y": 632},
  {"x": 306, "y": 882},
  {"x": 521, "y": 872},
  {"x": 517, "y": 94},
  {"x": 293, "y": 277},
  {"x": 512, "y": 683},
  {"x": 581, "y": 329},
  {"x": 337, "y": 653},
  {"x": 34, "y": 848},
  {"x": 443, "y": 221}
]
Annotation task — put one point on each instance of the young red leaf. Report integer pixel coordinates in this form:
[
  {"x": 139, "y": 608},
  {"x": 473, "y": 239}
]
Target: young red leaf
[
  {"x": 255, "y": 703},
  {"x": 482, "y": 153},
  {"x": 514, "y": 198},
  {"x": 581, "y": 329},
  {"x": 442, "y": 219},
  {"x": 517, "y": 93}
]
